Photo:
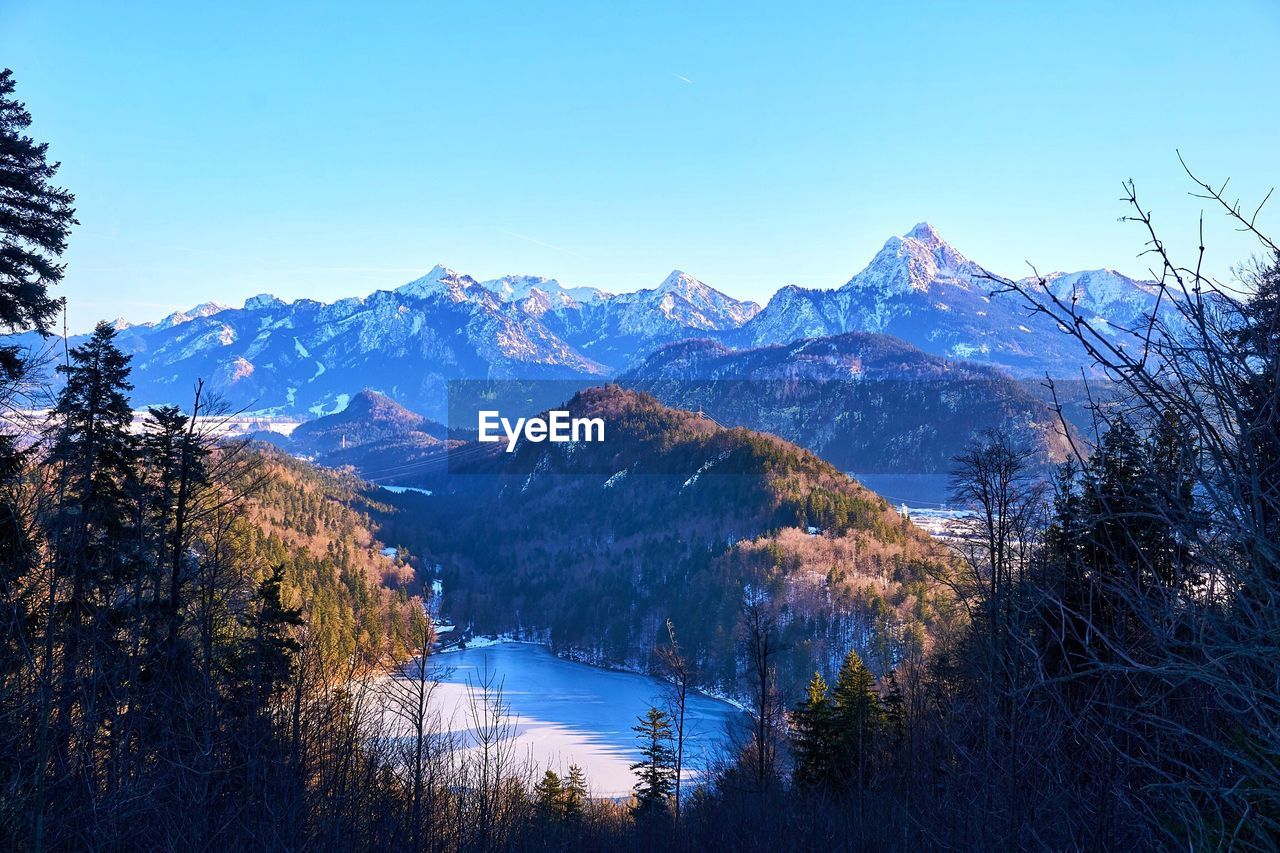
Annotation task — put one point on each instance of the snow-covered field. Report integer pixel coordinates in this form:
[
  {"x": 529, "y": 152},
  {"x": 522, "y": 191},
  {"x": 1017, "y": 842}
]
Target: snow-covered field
[
  {"x": 571, "y": 713},
  {"x": 940, "y": 523},
  {"x": 924, "y": 497}
]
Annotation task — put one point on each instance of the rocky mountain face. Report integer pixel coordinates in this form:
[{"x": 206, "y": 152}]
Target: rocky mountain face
[
  {"x": 625, "y": 328},
  {"x": 922, "y": 290},
  {"x": 864, "y": 402},
  {"x": 672, "y": 516},
  {"x": 544, "y": 291}
]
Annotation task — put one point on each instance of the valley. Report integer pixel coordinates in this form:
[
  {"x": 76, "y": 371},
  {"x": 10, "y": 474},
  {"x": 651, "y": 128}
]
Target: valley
[
  {"x": 591, "y": 547},
  {"x": 698, "y": 504}
]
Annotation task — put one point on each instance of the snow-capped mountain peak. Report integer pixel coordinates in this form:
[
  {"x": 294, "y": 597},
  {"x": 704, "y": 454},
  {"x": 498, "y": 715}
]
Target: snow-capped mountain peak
[
  {"x": 921, "y": 289},
  {"x": 700, "y": 305},
  {"x": 944, "y": 254},
  {"x": 913, "y": 262},
  {"x": 927, "y": 234},
  {"x": 691, "y": 293},
  {"x": 204, "y": 309},
  {"x": 440, "y": 280},
  {"x": 262, "y": 302},
  {"x": 1099, "y": 289},
  {"x": 681, "y": 282},
  {"x": 514, "y": 288}
]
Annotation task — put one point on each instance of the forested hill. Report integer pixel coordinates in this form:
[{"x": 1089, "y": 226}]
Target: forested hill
[
  {"x": 674, "y": 517},
  {"x": 375, "y": 435},
  {"x": 355, "y": 601},
  {"x": 866, "y": 402},
  {"x": 184, "y": 618},
  {"x": 369, "y": 417}
]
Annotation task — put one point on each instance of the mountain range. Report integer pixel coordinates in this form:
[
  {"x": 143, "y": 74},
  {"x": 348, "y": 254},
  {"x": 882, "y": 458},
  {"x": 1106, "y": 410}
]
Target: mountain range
[{"x": 308, "y": 358}]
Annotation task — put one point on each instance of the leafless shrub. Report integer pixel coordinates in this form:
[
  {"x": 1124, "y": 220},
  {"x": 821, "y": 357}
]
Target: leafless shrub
[{"x": 1175, "y": 702}]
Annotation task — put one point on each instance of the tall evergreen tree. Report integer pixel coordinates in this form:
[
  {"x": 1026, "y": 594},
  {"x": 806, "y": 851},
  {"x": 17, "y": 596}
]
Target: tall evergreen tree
[
  {"x": 575, "y": 793},
  {"x": 548, "y": 796},
  {"x": 1171, "y": 519},
  {"x": 812, "y": 745},
  {"x": 1063, "y": 577},
  {"x": 35, "y": 220},
  {"x": 657, "y": 771},
  {"x": 1119, "y": 538},
  {"x": 855, "y": 719},
  {"x": 1259, "y": 427},
  {"x": 177, "y": 469},
  {"x": 265, "y": 659},
  {"x": 95, "y": 454},
  {"x": 94, "y": 550}
]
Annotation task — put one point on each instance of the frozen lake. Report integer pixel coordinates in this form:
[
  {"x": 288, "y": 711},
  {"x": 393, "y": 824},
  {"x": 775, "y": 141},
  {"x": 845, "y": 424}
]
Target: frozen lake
[
  {"x": 931, "y": 491},
  {"x": 572, "y": 713}
]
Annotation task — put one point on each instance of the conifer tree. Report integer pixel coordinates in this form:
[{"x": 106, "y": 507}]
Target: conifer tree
[
  {"x": 35, "y": 220},
  {"x": 812, "y": 742},
  {"x": 855, "y": 719},
  {"x": 657, "y": 771},
  {"x": 575, "y": 793},
  {"x": 177, "y": 466},
  {"x": 1167, "y": 525},
  {"x": 266, "y": 656},
  {"x": 1119, "y": 538},
  {"x": 90, "y": 429},
  {"x": 1259, "y": 393},
  {"x": 1064, "y": 577},
  {"x": 548, "y": 796},
  {"x": 93, "y": 549}
]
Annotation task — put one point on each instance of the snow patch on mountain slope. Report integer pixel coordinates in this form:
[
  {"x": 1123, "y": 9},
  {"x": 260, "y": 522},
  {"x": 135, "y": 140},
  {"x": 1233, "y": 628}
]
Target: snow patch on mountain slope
[{"x": 339, "y": 403}]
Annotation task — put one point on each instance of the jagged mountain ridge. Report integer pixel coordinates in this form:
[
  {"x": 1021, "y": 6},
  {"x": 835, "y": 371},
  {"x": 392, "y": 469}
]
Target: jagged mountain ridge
[
  {"x": 308, "y": 357},
  {"x": 921, "y": 289},
  {"x": 620, "y": 330}
]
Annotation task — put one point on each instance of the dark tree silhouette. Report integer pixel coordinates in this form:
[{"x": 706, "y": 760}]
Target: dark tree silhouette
[
  {"x": 812, "y": 744},
  {"x": 35, "y": 220},
  {"x": 656, "y": 773}
]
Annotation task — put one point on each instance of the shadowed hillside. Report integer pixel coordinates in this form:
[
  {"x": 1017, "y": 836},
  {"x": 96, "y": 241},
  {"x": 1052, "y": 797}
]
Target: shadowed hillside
[{"x": 864, "y": 402}]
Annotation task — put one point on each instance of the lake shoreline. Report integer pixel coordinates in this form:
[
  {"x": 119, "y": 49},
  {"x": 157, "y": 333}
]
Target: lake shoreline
[{"x": 489, "y": 642}]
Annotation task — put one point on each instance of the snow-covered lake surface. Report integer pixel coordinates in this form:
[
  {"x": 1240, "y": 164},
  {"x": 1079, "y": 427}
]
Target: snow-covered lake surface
[{"x": 565, "y": 712}]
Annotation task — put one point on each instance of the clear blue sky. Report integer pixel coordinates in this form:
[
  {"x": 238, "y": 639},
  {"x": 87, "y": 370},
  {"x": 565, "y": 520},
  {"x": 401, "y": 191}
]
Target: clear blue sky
[{"x": 224, "y": 149}]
